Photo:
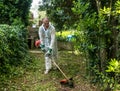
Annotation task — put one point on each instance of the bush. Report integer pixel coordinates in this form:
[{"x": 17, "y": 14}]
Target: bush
[
  {"x": 13, "y": 46},
  {"x": 64, "y": 36}
]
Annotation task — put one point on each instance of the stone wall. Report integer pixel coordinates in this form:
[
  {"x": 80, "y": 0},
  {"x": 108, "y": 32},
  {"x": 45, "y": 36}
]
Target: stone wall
[
  {"x": 32, "y": 36},
  {"x": 65, "y": 45}
]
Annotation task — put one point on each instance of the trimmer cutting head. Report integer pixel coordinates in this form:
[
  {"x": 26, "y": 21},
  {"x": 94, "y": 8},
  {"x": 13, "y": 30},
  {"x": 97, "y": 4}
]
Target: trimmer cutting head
[
  {"x": 68, "y": 82},
  {"x": 65, "y": 82}
]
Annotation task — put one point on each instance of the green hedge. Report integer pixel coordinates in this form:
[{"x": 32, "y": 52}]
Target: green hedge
[
  {"x": 13, "y": 46},
  {"x": 63, "y": 36}
]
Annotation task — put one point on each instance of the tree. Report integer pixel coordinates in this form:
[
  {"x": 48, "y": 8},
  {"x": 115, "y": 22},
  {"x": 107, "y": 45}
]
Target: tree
[
  {"x": 14, "y": 11},
  {"x": 99, "y": 23},
  {"x": 60, "y": 12}
]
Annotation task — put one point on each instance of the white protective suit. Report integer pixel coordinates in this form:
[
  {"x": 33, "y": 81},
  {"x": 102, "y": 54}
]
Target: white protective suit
[{"x": 48, "y": 38}]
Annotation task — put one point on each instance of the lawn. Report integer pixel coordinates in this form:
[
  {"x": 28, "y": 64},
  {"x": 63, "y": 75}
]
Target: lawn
[{"x": 34, "y": 79}]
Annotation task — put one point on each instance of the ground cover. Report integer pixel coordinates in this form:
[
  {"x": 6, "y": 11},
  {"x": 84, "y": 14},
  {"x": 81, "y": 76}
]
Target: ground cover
[{"x": 34, "y": 79}]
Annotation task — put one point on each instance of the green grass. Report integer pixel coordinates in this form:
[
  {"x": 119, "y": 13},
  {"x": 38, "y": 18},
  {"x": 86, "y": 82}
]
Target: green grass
[{"x": 33, "y": 78}]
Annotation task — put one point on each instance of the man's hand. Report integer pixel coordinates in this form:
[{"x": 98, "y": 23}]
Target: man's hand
[
  {"x": 42, "y": 47},
  {"x": 49, "y": 52}
]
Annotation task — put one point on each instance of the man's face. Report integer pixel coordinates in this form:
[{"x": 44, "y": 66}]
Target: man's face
[{"x": 46, "y": 23}]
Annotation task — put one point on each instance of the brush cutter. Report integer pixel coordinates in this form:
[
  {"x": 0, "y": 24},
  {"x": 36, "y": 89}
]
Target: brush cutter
[{"x": 66, "y": 81}]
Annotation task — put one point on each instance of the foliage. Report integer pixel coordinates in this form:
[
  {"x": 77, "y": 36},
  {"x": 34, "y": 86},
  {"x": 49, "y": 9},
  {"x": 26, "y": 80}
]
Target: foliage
[
  {"x": 106, "y": 80},
  {"x": 114, "y": 66},
  {"x": 64, "y": 36},
  {"x": 99, "y": 30},
  {"x": 60, "y": 10},
  {"x": 14, "y": 11},
  {"x": 13, "y": 47}
]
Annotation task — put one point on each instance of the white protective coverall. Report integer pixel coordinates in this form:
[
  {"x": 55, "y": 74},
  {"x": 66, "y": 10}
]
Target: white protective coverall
[{"x": 48, "y": 38}]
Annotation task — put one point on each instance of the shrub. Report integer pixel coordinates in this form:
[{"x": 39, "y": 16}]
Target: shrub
[
  {"x": 64, "y": 36},
  {"x": 13, "y": 46}
]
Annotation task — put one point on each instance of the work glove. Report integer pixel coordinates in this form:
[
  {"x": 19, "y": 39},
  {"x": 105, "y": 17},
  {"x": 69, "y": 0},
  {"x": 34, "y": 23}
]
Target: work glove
[
  {"x": 49, "y": 52},
  {"x": 42, "y": 47}
]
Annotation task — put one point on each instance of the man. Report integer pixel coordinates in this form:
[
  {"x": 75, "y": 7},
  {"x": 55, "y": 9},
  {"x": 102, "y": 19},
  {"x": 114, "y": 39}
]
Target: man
[{"x": 48, "y": 43}]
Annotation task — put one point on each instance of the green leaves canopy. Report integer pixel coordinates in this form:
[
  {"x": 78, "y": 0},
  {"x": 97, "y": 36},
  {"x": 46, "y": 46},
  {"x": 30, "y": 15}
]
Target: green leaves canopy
[
  {"x": 14, "y": 11},
  {"x": 60, "y": 13}
]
